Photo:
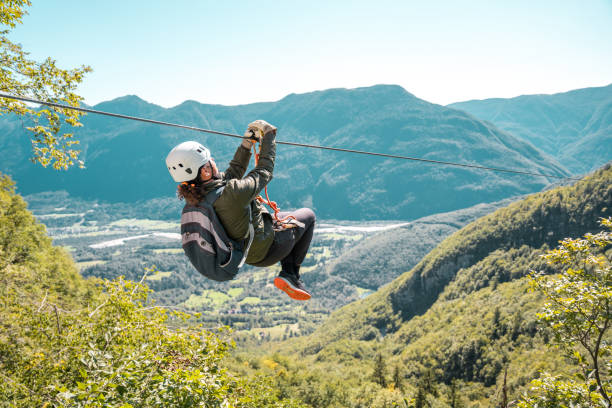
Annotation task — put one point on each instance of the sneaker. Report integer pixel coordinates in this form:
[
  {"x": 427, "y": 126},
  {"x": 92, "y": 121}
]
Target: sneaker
[{"x": 292, "y": 286}]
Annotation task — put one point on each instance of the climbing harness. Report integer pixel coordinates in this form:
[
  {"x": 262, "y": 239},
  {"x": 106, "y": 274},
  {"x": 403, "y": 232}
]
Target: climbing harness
[
  {"x": 284, "y": 222},
  {"x": 337, "y": 149}
]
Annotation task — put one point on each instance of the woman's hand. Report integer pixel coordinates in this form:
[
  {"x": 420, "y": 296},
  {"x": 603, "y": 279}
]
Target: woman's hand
[
  {"x": 251, "y": 137},
  {"x": 262, "y": 126},
  {"x": 255, "y": 132}
]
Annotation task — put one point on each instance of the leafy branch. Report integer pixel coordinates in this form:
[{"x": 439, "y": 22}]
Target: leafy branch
[
  {"x": 22, "y": 76},
  {"x": 578, "y": 313}
]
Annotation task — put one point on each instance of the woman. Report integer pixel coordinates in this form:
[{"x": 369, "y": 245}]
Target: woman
[{"x": 237, "y": 207}]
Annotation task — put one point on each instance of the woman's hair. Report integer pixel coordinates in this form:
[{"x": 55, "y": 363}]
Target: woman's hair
[{"x": 191, "y": 191}]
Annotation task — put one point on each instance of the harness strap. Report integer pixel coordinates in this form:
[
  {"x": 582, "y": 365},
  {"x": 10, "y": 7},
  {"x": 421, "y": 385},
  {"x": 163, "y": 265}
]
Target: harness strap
[{"x": 251, "y": 236}]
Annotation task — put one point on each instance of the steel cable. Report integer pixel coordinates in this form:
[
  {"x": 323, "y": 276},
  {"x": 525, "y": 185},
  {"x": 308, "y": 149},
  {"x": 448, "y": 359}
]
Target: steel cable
[{"x": 311, "y": 146}]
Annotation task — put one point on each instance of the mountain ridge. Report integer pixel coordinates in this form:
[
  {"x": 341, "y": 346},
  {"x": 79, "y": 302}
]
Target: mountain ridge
[
  {"x": 125, "y": 159},
  {"x": 575, "y": 127}
]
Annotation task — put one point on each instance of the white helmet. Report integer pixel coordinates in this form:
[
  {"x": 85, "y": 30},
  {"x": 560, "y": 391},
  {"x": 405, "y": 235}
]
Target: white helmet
[{"x": 185, "y": 159}]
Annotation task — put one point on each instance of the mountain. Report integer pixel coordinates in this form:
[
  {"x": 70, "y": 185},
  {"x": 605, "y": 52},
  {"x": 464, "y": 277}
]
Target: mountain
[
  {"x": 125, "y": 159},
  {"x": 574, "y": 127},
  {"x": 464, "y": 312},
  {"x": 539, "y": 220},
  {"x": 390, "y": 253}
]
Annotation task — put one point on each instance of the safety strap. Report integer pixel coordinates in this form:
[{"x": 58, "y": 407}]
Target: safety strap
[{"x": 251, "y": 236}]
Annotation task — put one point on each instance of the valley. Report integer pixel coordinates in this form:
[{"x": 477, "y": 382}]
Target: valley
[{"x": 107, "y": 241}]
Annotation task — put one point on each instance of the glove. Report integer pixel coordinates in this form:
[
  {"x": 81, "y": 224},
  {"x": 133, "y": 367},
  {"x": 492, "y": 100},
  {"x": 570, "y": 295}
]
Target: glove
[
  {"x": 251, "y": 136},
  {"x": 255, "y": 132},
  {"x": 262, "y": 126}
]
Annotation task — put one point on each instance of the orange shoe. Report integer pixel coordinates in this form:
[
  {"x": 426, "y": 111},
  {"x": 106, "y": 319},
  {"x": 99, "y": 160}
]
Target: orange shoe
[{"x": 292, "y": 286}]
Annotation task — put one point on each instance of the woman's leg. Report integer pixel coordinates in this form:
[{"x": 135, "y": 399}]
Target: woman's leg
[
  {"x": 290, "y": 247},
  {"x": 302, "y": 239},
  {"x": 291, "y": 244}
]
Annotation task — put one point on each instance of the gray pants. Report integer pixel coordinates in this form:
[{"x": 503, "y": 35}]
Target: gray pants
[{"x": 291, "y": 244}]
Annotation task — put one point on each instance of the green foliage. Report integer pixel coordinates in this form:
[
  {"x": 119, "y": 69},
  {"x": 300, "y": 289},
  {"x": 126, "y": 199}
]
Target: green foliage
[
  {"x": 119, "y": 351},
  {"x": 554, "y": 392},
  {"x": 380, "y": 368},
  {"x": 454, "y": 396},
  {"x": 578, "y": 313},
  {"x": 29, "y": 263},
  {"x": 45, "y": 81},
  {"x": 398, "y": 378},
  {"x": 66, "y": 342},
  {"x": 420, "y": 400},
  {"x": 11, "y": 11}
]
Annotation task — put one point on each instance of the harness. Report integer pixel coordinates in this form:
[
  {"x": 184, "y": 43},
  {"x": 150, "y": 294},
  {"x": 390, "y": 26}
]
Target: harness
[{"x": 284, "y": 222}]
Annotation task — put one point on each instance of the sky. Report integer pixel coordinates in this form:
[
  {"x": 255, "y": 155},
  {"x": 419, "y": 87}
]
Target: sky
[{"x": 238, "y": 52}]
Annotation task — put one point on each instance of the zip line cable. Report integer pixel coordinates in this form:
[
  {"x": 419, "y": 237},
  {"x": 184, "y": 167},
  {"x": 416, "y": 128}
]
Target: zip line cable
[{"x": 337, "y": 149}]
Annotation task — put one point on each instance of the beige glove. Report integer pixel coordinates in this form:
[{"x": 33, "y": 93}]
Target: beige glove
[
  {"x": 255, "y": 132},
  {"x": 263, "y": 127},
  {"x": 251, "y": 136}
]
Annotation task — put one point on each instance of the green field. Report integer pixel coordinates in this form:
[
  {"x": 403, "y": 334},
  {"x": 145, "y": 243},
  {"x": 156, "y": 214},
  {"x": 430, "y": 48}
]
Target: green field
[
  {"x": 275, "y": 332},
  {"x": 337, "y": 236},
  {"x": 169, "y": 251},
  {"x": 234, "y": 292},
  {"x": 326, "y": 253},
  {"x": 145, "y": 224},
  {"x": 250, "y": 300},
  {"x": 306, "y": 269},
  {"x": 159, "y": 276},
  {"x": 210, "y": 297},
  {"x": 87, "y": 264}
]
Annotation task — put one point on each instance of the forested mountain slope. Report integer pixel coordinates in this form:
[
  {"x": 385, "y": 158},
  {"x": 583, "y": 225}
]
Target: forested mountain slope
[
  {"x": 574, "y": 127},
  {"x": 539, "y": 220},
  {"x": 30, "y": 267},
  {"x": 463, "y": 313},
  {"x": 378, "y": 260},
  {"x": 125, "y": 159}
]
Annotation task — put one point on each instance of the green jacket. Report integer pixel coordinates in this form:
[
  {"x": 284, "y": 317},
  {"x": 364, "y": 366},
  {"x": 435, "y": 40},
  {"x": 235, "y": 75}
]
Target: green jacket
[{"x": 232, "y": 206}]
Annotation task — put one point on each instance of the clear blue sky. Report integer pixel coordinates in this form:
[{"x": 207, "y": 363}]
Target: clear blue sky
[{"x": 235, "y": 52}]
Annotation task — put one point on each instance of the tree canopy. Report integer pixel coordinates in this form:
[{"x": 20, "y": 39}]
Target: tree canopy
[{"x": 41, "y": 80}]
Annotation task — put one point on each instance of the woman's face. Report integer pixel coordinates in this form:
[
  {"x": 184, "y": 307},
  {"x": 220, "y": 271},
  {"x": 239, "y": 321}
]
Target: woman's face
[{"x": 209, "y": 171}]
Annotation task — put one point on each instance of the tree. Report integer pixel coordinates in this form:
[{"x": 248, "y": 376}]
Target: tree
[
  {"x": 398, "y": 380},
  {"x": 44, "y": 81},
  {"x": 497, "y": 324},
  {"x": 454, "y": 397},
  {"x": 380, "y": 368},
  {"x": 420, "y": 400},
  {"x": 578, "y": 314}
]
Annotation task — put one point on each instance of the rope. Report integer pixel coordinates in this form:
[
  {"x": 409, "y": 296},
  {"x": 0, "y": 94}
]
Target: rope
[
  {"x": 281, "y": 222},
  {"x": 310, "y": 146}
]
